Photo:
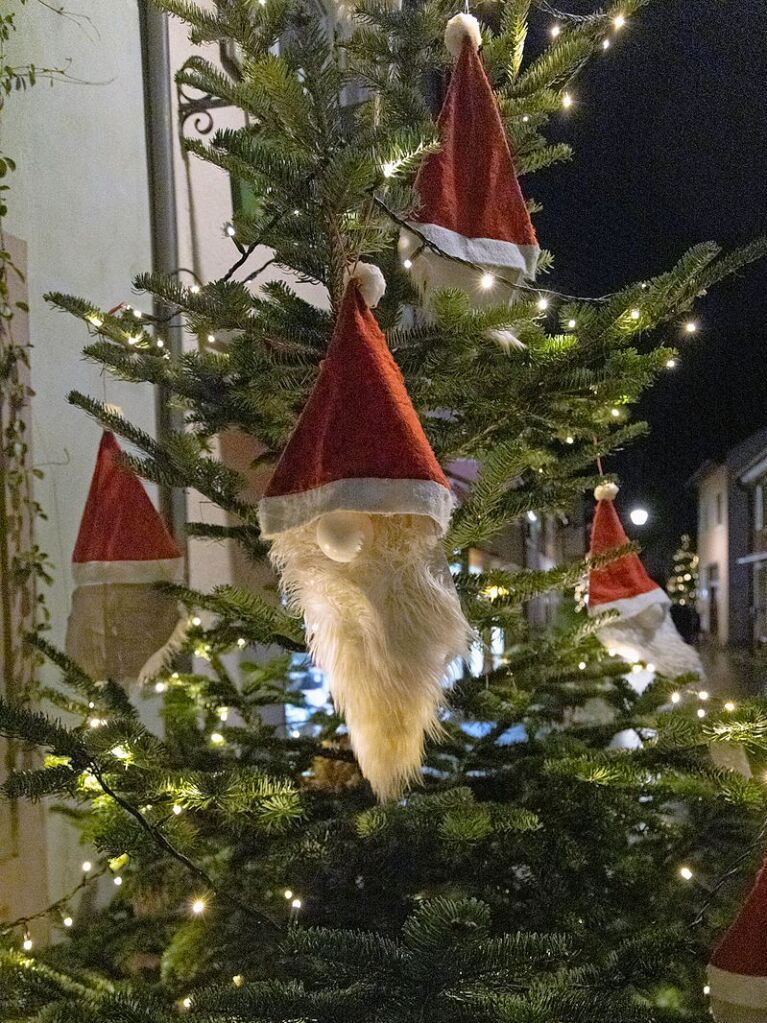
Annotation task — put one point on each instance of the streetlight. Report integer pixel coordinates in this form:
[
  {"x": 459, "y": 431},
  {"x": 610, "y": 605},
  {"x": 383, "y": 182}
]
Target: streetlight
[{"x": 639, "y": 516}]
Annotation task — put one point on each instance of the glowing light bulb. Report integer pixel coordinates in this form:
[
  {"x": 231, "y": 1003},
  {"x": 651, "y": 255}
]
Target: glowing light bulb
[
  {"x": 388, "y": 169},
  {"x": 569, "y": 439},
  {"x": 676, "y": 697},
  {"x": 571, "y": 324},
  {"x": 217, "y": 738},
  {"x": 526, "y": 118},
  {"x": 296, "y": 904},
  {"x": 198, "y": 906},
  {"x": 605, "y": 43},
  {"x": 619, "y": 21},
  {"x": 242, "y": 643},
  {"x": 120, "y": 752},
  {"x": 118, "y": 881},
  {"x": 615, "y": 412},
  {"x": 555, "y": 30},
  {"x": 670, "y": 363},
  {"x": 690, "y": 327},
  {"x": 729, "y": 706},
  {"x": 211, "y": 339},
  {"x": 706, "y": 989},
  {"x": 27, "y": 944},
  {"x": 532, "y": 517},
  {"x": 133, "y": 340},
  {"x": 635, "y": 314},
  {"x": 223, "y": 713},
  {"x": 86, "y": 866},
  {"x": 196, "y": 620},
  {"x": 238, "y": 980},
  {"x": 67, "y": 921},
  {"x": 288, "y": 893},
  {"x": 650, "y": 666},
  {"x": 542, "y": 303},
  {"x": 187, "y": 1002},
  {"x": 639, "y": 516},
  {"x": 229, "y": 230},
  {"x": 703, "y": 694},
  {"x": 195, "y": 289},
  {"x": 567, "y": 101},
  {"x": 701, "y": 712},
  {"x": 582, "y": 665},
  {"x": 686, "y": 873},
  {"x": 137, "y": 313},
  {"x": 407, "y": 263},
  {"x": 177, "y": 810},
  {"x": 160, "y": 687},
  {"x": 487, "y": 281}
]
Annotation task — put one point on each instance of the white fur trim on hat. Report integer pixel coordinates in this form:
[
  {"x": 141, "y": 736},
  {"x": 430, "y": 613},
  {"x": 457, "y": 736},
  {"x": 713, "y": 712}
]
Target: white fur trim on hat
[
  {"x": 98, "y": 573},
  {"x": 488, "y": 252},
  {"x": 630, "y": 606},
  {"x": 606, "y": 491},
  {"x": 374, "y": 496},
  {"x": 460, "y": 27},
  {"x": 738, "y": 988},
  {"x": 371, "y": 281}
]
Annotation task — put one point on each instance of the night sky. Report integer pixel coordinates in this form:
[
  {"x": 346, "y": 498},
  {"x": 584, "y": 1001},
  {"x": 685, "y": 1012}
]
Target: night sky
[{"x": 670, "y": 135}]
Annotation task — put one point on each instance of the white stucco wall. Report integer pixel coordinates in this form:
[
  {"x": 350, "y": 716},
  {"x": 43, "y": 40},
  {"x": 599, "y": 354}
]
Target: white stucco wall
[{"x": 79, "y": 200}]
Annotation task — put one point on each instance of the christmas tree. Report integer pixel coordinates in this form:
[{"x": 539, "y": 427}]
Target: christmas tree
[
  {"x": 535, "y": 872},
  {"x": 682, "y": 584}
]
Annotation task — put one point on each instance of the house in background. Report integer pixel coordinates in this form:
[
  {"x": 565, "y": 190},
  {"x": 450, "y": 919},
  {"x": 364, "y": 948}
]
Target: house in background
[{"x": 732, "y": 545}]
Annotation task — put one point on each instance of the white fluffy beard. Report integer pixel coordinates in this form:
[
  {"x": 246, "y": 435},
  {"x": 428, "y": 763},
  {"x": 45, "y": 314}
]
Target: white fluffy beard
[
  {"x": 661, "y": 646},
  {"x": 384, "y": 629}
]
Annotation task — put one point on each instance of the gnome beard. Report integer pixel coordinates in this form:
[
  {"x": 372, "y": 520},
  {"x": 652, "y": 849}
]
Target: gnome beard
[
  {"x": 651, "y": 636},
  {"x": 383, "y": 625}
]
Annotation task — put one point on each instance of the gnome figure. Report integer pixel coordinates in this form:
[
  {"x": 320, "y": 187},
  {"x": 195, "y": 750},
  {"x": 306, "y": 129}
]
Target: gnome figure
[
  {"x": 737, "y": 973},
  {"x": 119, "y": 618},
  {"x": 644, "y": 630},
  {"x": 355, "y": 510},
  {"x": 470, "y": 202}
]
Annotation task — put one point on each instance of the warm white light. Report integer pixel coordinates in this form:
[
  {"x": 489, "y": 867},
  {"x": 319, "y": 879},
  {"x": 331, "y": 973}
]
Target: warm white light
[
  {"x": 238, "y": 980},
  {"x": 118, "y": 881},
  {"x": 296, "y": 904},
  {"x": 288, "y": 893},
  {"x": 650, "y": 666},
  {"x": 195, "y": 289},
  {"x": 526, "y": 118},
  {"x": 701, "y": 712},
  {"x": 160, "y": 343},
  {"x": 670, "y": 363},
  {"x": 555, "y": 30},
  {"x": 137, "y": 313},
  {"x": 532, "y": 517},
  {"x": 542, "y": 303},
  {"x": 615, "y": 412},
  {"x": 639, "y": 516},
  {"x": 619, "y": 21},
  {"x": 198, "y": 906},
  {"x": 571, "y": 324},
  {"x": 120, "y": 752},
  {"x": 389, "y": 169},
  {"x": 211, "y": 339},
  {"x": 28, "y": 944},
  {"x": 86, "y": 866},
  {"x": 487, "y": 281},
  {"x": 582, "y": 665},
  {"x": 67, "y": 921},
  {"x": 177, "y": 810},
  {"x": 217, "y": 738},
  {"x": 96, "y": 722},
  {"x": 407, "y": 263},
  {"x": 686, "y": 873},
  {"x": 223, "y": 713},
  {"x": 187, "y": 1003},
  {"x": 730, "y": 706},
  {"x": 691, "y": 326},
  {"x": 569, "y": 439},
  {"x": 230, "y": 230},
  {"x": 196, "y": 620},
  {"x": 635, "y": 314},
  {"x": 160, "y": 687},
  {"x": 676, "y": 697},
  {"x": 567, "y": 101},
  {"x": 703, "y": 694},
  {"x": 605, "y": 44},
  {"x": 133, "y": 340},
  {"x": 706, "y": 989},
  {"x": 242, "y": 643}
]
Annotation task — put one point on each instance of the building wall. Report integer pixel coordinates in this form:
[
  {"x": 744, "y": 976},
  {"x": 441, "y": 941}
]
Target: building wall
[
  {"x": 713, "y": 551},
  {"x": 79, "y": 201}
]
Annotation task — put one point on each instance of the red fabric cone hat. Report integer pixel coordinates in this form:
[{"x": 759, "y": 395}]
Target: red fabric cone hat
[
  {"x": 358, "y": 445},
  {"x": 471, "y": 205},
  {"x": 623, "y": 585},
  {"x": 737, "y": 972},
  {"x": 122, "y": 538}
]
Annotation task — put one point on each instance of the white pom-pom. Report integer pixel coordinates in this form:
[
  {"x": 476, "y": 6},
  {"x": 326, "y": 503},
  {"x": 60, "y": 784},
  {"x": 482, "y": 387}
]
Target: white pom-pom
[
  {"x": 606, "y": 491},
  {"x": 341, "y": 535},
  {"x": 371, "y": 281},
  {"x": 459, "y": 28},
  {"x": 506, "y": 339}
]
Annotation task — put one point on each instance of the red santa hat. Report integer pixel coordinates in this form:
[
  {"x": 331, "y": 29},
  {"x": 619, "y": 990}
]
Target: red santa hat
[
  {"x": 737, "y": 973},
  {"x": 358, "y": 445},
  {"x": 122, "y": 538},
  {"x": 471, "y": 205},
  {"x": 622, "y": 585}
]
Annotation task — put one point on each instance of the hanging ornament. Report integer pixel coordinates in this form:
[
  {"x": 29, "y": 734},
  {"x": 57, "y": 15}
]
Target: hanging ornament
[
  {"x": 356, "y": 509},
  {"x": 470, "y": 202},
  {"x": 737, "y": 973},
  {"x": 644, "y": 630},
  {"x": 119, "y": 618}
]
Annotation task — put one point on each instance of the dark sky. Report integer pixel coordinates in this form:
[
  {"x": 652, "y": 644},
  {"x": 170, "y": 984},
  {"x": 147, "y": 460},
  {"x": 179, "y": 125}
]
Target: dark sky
[{"x": 670, "y": 137}]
